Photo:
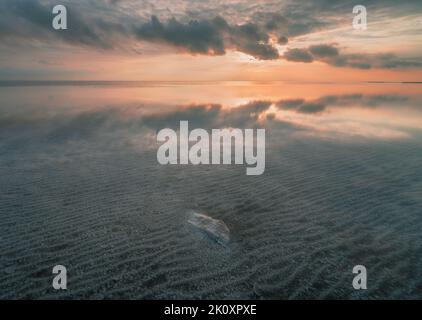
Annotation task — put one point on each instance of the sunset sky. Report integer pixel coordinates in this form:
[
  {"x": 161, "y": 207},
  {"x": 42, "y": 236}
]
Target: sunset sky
[{"x": 189, "y": 40}]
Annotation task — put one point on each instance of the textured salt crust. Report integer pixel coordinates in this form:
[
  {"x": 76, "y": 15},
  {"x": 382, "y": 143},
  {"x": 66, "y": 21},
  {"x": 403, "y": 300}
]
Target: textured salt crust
[{"x": 117, "y": 220}]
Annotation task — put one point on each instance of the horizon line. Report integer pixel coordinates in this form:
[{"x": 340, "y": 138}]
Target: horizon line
[{"x": 11, "y": 83}]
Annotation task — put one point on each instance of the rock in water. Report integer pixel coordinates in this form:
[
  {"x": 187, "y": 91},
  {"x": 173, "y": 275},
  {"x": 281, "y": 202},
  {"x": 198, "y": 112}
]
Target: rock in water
[{"x": 214, "y": 228}]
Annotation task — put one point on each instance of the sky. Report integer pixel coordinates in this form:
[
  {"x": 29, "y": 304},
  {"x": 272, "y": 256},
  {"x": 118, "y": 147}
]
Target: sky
[{"x": 211, "y": 40}]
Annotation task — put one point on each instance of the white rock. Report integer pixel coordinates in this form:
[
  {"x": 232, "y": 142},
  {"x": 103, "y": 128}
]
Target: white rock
[{"x": 214, "y": 228}]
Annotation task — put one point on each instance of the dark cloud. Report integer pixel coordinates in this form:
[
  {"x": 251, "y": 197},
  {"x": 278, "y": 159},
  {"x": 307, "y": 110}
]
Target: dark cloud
[
  {"x": 282, "y": 40},
  {"x": 370, "y": 61},
  {"x": 251, "y": 39},
  {"x": 196, "y": 36},
  {"x": 323, "y": 51},
  {"x": 298, "y": 55},
  {"x": 331, "y": 55},
  {"x": 210, "y": 37}
]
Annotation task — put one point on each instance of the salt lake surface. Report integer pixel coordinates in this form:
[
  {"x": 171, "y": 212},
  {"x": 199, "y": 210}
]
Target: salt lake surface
[{"x": 81, "y": 186}]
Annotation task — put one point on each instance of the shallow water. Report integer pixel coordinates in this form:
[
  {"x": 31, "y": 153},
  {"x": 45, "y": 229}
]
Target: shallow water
[{"x": 80, "y": 186}]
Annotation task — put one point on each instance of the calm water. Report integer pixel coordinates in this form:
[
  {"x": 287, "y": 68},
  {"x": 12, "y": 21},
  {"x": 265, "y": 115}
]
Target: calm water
[{"x": 80, "y": 186}]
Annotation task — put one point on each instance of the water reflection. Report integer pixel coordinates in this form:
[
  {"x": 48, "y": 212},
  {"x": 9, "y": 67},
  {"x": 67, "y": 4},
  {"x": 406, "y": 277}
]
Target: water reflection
[{"x": 381, "y": 111}]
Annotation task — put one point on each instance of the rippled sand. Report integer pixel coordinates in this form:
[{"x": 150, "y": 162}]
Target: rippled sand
[{"x": 101, "y": 205}]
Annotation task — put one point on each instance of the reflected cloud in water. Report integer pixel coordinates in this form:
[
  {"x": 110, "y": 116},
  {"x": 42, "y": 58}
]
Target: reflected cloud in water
[{"x": 79, "y": 112}]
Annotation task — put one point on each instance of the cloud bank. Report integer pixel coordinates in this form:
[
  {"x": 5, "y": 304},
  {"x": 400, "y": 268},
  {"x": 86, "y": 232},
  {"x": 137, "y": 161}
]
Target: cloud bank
[
  {"x": 211, "y": 37},
  {"x": 198, "y": 36},
  {"x": 199, "y": 27},
  {"x": 331, "y": 55}
]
